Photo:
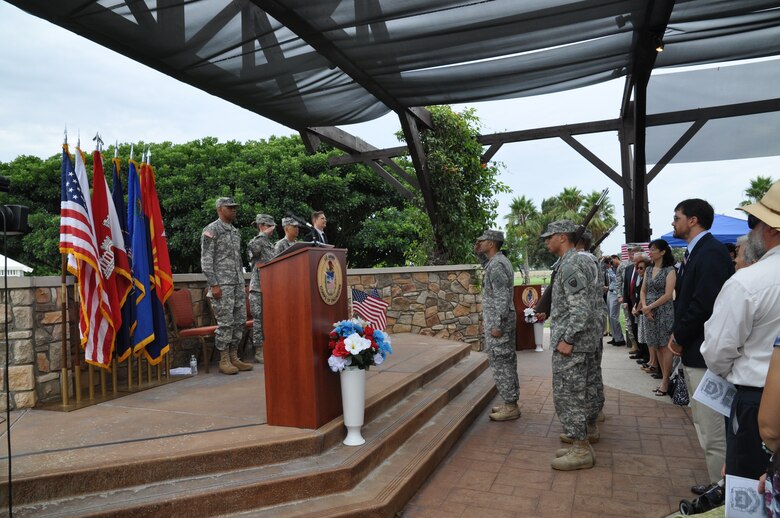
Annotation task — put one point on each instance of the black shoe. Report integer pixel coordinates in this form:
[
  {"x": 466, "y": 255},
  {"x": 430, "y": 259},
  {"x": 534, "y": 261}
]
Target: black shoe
[
  {"x": 713, "y": 498},
  {"x": 611, "y": 342},
  {"x": 633, "y": 356},
  {"x": 642, "y": 362},
  {"x": 657, "y": 375},
  {"x": 619, "y": 344},
  {"x": 701, "y": 489}
]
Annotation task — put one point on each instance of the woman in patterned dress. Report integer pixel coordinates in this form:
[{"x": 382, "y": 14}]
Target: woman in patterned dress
[{"x": 658, "y": 308}]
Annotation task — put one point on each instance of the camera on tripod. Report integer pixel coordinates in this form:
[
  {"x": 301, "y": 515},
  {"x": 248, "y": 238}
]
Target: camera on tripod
[{"x": 14, "y": 216}]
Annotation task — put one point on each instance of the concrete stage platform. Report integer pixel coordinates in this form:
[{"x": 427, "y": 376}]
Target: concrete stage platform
[{"x": 167, "y": 450}]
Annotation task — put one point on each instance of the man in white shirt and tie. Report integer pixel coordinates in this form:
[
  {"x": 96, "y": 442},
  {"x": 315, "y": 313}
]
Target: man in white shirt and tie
[{"x": 318, "y": 221}]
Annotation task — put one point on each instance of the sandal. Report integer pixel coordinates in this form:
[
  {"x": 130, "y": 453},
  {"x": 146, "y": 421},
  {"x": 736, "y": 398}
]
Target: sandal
[{"x": 661, "y": 392}]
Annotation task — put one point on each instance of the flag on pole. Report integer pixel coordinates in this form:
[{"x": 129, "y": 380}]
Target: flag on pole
[
  {"x": 77, "y": 238},
  {"x": 370, "y": 307},
  {"x": 112, "y": 256},
  {"x": 124, "y": 344},
  {"x": 161, "y": 279},
  {"x": 143, "y": 326}
]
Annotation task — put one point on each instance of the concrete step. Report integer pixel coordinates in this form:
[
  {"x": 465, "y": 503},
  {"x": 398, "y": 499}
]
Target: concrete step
[
  {"x": 249, "y": 485},
  {"x": 215, "y": 451},
  {"x": 387, "y": 489}
]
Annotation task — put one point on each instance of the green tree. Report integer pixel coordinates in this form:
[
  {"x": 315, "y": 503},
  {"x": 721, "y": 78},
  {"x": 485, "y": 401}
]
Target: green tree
[
  {"x": 521, "y": 230},
  {"x": 463, "y": 187},
  {"x": 757, "y": 189},
  {"x": 571, "y": 203}
]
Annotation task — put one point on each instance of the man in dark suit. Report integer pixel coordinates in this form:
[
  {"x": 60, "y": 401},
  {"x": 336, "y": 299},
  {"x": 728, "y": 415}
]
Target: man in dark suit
[
  {"x": 318, "y": 221},
  {"x": 707, "y": 265}
]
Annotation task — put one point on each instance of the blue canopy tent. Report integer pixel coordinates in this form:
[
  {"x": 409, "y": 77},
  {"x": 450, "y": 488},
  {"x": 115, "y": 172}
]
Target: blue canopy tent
[{"x": 725, "y": 229}]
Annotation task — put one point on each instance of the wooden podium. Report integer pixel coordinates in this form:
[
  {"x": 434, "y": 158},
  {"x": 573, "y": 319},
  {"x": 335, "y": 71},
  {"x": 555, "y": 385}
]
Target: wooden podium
[
  {"x": 304, "y": 293},
  {"x": 525, "y": 296}
]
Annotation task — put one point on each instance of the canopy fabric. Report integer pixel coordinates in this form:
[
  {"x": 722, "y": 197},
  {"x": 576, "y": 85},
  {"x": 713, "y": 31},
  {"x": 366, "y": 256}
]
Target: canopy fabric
[
  {"x": 746, "y": 136},
  {"x": 374, "y": 55},
  {"x": 724, "y": 228}
]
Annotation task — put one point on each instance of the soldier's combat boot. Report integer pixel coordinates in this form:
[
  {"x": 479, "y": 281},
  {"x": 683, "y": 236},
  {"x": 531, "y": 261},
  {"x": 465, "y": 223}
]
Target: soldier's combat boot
[
  {"x": 225, "y": 366},
  {"x": 507, "y": 412},
  {"x": 236, "y": 361},
  {"x": 563, "y": 451},
  {"x": 580, "y": 456},
  {"x": 601, "y": 417},
  {"x": 259, "y": 354},
  {"x": 593, "y": 435}
]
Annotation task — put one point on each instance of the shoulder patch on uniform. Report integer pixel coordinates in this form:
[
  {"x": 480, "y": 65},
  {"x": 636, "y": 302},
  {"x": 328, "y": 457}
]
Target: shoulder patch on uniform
[
  {"x": 208, "y": 234},
  {"x": 573, "y": 282}
]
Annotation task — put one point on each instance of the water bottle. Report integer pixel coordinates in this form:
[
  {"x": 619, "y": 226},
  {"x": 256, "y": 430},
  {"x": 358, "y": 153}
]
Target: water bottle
[{"x": 193, "y": 364}]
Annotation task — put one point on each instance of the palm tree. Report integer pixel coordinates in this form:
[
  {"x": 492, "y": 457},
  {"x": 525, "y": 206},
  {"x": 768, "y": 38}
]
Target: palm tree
[
  {"x": 604, "y": 218},
  {"x": 522, "y": 212},
  {"x": 758, "y": 188}
]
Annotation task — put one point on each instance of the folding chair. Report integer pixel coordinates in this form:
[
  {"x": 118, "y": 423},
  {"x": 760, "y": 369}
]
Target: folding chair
[{"x": 185, "y": 324}]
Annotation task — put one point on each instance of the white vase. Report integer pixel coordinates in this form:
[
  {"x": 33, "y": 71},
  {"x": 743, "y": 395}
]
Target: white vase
[
  {"x": 539, "y": 336},
  {"x": 353, "y": 403}
]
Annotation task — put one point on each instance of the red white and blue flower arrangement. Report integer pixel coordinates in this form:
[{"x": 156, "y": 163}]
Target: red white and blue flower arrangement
[{"x": 355, "y": 343}]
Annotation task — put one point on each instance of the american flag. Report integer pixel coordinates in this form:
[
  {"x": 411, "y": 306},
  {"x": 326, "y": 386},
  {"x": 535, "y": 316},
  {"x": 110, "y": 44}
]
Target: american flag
[
  {"x": 370, "y": 307},
  {"x": 624, "y": 250},
  {"x": 77, "y": 238}
]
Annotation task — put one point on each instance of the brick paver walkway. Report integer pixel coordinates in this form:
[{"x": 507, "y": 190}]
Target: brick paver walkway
[{"x": 646, "y": 461}]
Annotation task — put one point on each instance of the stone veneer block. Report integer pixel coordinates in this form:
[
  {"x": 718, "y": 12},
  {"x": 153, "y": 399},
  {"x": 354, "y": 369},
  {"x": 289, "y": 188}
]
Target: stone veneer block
[
  {"x": 42, "y": 295},
  {"x": 23, "y": 317},
  {"x": 26, "y": 399},
  {"x": 52, "y": 317},
  {"x": 22, "y": 351},
  {"x": 21, "y": 377},
  {"x": 21, "y": 297}
]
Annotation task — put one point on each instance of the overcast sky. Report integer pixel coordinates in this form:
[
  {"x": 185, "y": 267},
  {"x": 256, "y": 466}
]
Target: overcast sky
[{"x": 51, "y": 78}]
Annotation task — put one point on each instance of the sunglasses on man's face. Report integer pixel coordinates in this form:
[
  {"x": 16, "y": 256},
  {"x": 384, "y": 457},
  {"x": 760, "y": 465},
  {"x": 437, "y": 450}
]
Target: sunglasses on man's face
[{"x": 752, "y": 221}]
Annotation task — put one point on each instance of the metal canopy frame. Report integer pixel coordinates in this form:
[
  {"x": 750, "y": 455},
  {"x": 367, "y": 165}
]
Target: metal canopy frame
[{"x": 386, "y": 55}]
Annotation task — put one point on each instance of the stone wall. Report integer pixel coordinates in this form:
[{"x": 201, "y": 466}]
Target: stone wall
[{"x": 441, "y": 301}]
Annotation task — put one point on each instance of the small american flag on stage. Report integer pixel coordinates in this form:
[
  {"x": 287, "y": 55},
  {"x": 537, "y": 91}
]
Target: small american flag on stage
[{"x": 370, "y": 307}]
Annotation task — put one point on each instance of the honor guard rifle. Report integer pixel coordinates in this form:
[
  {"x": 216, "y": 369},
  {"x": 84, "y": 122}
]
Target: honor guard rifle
[
  {"x": 545, "y": 301},
  {"x": 600, "y": 240}
]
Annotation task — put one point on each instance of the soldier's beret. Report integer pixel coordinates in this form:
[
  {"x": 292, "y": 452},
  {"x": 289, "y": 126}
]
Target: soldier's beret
[
  {"x": 226, "y": 202},
  {"x": 265, "y": 219},
  {"x": 562, "y": 226},
  {"x": 492, "y": 235}
]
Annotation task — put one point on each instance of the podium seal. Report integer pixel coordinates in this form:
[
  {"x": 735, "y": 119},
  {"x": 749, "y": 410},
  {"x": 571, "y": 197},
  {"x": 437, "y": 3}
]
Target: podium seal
[{"x": 330, "y": 280}]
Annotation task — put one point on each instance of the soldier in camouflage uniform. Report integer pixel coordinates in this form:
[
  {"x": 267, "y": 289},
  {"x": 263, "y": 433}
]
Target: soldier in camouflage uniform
[
  {"x": 574, "y": 347},
  {"x": 499, "y": 321},
  {"x": 259, "y": 251},
  {"x": 220, "y": 260},
  {"x": 291, "y": 229},
  {"x": 600, "y": 311}
]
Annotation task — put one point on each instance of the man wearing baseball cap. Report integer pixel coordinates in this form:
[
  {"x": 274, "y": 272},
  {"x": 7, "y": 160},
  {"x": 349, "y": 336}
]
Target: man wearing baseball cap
[
  {"x": 499, "y": 321},
  {"x": 574, "y": 348},
  {"x": 220, "y": 261},
  {"x": 739, "y": 336},
  {"x": 260, "y": 250},
  {"x": 291, "y": 228}
]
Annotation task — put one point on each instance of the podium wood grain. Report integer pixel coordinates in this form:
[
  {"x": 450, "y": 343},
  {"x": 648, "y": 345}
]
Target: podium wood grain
[{"x": 301, "y": 391}]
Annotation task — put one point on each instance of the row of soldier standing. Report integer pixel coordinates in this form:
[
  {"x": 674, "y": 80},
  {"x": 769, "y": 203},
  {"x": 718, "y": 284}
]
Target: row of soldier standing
[
  {"x": 577, "y": 313},
  {"x": 221, "y": 263}
]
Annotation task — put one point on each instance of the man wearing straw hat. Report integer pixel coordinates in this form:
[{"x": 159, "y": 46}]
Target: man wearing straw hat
[{"x": 738, "y": 338}]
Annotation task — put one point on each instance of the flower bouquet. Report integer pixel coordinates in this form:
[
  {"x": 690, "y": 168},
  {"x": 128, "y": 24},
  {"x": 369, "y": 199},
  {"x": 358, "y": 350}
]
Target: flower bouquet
[
  {"x": 355, "y": 343},
  {"x": 530, "y": 315}
]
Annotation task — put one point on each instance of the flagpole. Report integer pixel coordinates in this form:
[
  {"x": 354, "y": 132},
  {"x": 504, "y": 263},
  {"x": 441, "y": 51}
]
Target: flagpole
[
  {"x": 114, "y": 378},
  {"x": 63, "y": 305}
]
